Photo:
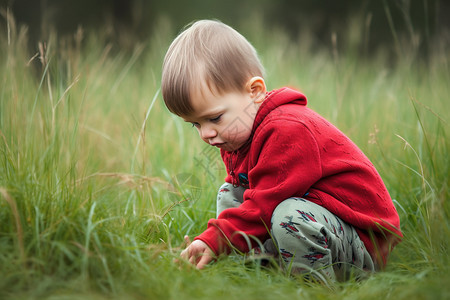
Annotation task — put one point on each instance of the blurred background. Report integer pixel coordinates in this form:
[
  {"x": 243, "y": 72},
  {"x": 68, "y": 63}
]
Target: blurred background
[{"x": 126, "y": 22}]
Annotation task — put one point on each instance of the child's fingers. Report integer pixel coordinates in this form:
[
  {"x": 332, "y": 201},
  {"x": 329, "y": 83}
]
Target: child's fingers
[
  {"x": 204, "y": 260},
  {"x": 184, "y": 257},
  {"x": 185, "y": 253},
  {"x": 192, "y": 260},
  {"x": 187, "y": 240}
]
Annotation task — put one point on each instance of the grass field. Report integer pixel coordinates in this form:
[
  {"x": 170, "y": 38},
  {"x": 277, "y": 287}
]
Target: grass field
[{"x": 99, "y": 183}]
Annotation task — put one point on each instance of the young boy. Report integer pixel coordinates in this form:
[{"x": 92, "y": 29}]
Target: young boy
[{"x": 294, "y": 181}]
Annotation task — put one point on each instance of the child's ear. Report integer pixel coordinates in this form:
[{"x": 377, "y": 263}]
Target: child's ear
[{"x": 257, "y": 89}]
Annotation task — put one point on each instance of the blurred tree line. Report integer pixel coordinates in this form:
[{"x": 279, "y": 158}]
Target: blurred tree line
[{"x": 384, "y": 20}]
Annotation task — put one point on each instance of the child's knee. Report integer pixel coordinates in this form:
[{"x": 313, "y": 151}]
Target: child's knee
[
  {"x": 228, "y": 192},
  {"x": 229, "y": 196},
  {"x": 300, "y": 238},
  {"x": 225, "y": 188},
  {"x": 290, "y": 222},
  {"x": 297, "y": 230}
]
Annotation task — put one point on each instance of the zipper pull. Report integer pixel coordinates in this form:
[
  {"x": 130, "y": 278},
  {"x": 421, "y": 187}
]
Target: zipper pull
[{"x": 234, "y": 182}]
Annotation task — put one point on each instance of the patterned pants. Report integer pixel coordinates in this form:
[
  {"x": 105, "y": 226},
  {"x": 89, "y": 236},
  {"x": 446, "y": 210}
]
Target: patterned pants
[{"x": 308, "y": 238}]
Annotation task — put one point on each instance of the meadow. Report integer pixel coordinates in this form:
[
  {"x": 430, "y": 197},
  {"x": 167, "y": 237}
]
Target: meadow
[{"x": 99, "y": 182}]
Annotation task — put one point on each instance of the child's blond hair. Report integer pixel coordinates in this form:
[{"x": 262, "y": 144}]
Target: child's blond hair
[{"x": 206, "y": 52}]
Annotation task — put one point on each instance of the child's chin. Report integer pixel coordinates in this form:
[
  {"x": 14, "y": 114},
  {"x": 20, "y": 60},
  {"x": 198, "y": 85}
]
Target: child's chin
[
  {"x": 226, "y": 147},
  {"x": 229, "y": 148}
]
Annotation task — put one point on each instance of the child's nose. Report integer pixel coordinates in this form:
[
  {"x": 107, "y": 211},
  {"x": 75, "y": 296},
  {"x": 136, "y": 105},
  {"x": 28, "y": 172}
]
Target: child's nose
[{"x": 207, "y": 133}]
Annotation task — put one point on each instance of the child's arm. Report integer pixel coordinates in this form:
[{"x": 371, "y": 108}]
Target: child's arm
[{"x": 197, "y": 253}]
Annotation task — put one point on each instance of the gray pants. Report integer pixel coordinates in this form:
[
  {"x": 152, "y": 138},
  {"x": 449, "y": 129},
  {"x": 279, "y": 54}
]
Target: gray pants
[{"x": 307, "y": 238}]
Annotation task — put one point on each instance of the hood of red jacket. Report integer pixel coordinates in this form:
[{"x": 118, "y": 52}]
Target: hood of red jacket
[{"x": 275, "y": 99}]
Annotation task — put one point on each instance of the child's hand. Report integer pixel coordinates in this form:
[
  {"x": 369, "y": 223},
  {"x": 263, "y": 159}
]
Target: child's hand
[{"x": 197, "y": 253}]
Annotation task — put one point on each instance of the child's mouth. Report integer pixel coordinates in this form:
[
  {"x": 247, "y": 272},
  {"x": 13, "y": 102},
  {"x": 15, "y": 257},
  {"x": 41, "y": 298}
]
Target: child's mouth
[{"x": 218, "y": 145}]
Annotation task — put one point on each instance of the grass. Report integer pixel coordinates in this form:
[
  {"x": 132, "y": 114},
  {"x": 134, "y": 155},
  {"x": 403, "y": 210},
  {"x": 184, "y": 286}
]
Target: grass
[{"x": 99, "y": 183}]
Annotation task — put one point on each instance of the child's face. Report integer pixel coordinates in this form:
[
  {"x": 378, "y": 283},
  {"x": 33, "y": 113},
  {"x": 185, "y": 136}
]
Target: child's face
[{"x": 224, "y": 121}]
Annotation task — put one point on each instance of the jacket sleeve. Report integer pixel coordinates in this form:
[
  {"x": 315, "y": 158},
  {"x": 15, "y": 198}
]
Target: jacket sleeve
[{"x": 284, "y": 162}]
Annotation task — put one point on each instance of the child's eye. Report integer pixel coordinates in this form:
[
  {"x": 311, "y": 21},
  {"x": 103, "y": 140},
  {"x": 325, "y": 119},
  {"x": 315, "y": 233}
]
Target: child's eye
[
  {"x": 196, "y": 125},
  {"x": 216, "y": 119}
]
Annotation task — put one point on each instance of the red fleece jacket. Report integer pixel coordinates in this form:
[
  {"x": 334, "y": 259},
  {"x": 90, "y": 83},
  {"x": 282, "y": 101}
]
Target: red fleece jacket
[{"x": 294, "y": 152}]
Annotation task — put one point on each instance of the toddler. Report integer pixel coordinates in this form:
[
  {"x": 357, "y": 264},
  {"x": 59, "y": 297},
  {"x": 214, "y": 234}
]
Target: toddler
[{"x": 296, "y": 186}]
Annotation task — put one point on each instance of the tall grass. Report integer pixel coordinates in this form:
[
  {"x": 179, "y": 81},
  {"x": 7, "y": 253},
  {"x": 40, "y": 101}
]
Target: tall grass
[{"x": 99, "y": 183}]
